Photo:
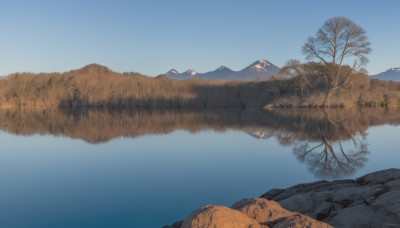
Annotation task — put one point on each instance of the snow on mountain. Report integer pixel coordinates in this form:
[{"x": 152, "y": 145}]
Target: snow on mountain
[
  {"x": 259, "y": 133},
  {"x": 260, "y": 65},
  {"x": 393, "y": 74},
  {"x": 191, "y": 72},
  {"x": 185, "y": 75},
  {"x": 261, "y": 69}
]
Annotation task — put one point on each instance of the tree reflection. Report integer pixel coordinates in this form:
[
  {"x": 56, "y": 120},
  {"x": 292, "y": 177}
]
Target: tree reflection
[
  {"x": 333, "y": 159},
  {"x": 335, "y": 153}
]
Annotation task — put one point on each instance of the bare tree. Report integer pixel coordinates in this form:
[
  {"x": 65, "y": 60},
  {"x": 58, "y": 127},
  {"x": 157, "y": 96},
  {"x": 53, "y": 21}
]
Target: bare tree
[
  {"x": 338, "y": 42},
  {"x": 20, "y": 89},
  {"x": 294, "y": 69}
]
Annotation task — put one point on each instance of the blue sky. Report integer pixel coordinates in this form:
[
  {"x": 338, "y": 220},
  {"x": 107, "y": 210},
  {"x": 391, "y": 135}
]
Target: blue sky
[{"x": 152, "y": 37}]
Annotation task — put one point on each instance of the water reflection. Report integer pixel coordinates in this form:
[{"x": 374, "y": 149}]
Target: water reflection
[
  {"x": 338, "y": 153},
  {"x": 331, "y": 159},
  {"x": 332, "y": 143}
]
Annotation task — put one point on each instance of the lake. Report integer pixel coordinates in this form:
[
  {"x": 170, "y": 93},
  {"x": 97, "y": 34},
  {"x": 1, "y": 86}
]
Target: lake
[{"x": 149, "y": 168}]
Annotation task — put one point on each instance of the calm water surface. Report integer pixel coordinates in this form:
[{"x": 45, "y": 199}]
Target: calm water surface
[{"x": 143, "y": 168}]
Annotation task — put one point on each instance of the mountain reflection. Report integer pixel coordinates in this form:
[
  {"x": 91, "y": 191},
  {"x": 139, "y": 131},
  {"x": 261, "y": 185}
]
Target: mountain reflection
[{"x": 331, "y": 142}]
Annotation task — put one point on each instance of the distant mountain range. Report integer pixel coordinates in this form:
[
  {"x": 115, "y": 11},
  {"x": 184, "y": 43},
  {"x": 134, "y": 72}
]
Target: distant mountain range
[
  {"x": 392, "y": 74},
  {"x": 261, "y": 69}
]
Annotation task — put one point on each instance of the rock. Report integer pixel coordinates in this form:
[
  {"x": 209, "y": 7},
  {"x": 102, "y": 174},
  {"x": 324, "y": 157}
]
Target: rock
[
  {"x": 280, "y": 194},
  {"x": 247, "y": 213},
  {"x": 175, "y": 225},
  {"x": 380, "y": 177},
  {"x": 299, "y": 221},
  {"x": 362, "y": 216},
  {"x": 371, "y": 199},
  {"x": 219, "y": 217},
  {"x": 262, "y": 210},
  {"x": 390, "y": 201},
  {"x": 393, "y": 185},
  {"x": 271, "y": 214}
]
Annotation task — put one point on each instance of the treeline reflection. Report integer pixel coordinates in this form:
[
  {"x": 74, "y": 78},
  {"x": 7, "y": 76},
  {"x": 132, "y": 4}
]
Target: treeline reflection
[{"x": 331, "y": 142}]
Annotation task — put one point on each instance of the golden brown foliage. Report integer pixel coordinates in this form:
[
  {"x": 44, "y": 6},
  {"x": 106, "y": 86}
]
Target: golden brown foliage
[
  {"x": 308, "y": 85},
  {"x": 97, "y": 86}
]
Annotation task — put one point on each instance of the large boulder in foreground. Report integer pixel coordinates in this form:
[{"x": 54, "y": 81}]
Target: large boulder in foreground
[
  {"x": 372, "y": 200},
  {"x": 298, "y": 221},
  {"x": 212, "y": 216},
  {"x": 262, "y": 210},
  {"x": 247, "y": 213},
  {"x": 271, "y": 214}
]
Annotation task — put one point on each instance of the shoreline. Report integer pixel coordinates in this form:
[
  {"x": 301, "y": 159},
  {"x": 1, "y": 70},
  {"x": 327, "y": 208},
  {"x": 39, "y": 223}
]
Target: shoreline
[{"x": 198, "y": 107}]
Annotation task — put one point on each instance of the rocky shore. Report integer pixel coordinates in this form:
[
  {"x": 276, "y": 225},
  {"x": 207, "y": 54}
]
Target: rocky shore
[{"x": 372, "y": 200}]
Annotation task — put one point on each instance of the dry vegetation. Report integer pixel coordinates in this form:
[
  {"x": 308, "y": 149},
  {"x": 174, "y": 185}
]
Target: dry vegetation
[
  {"x": 309, "y": 83},
  {"x": 97, "y": 86}
]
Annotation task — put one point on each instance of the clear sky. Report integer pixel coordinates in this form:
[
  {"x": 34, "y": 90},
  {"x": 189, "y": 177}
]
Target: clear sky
[{"x": 152, "y": 37}]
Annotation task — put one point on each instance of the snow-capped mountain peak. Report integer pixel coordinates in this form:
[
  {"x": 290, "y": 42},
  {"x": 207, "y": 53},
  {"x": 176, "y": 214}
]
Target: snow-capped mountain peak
[
  {"x": 397, "y": 69},
  {"x": 191, "y": 72},
  {"x": 263, "y": 61},
  {"x": 173, "y": 71},
  {"x": 393, "y": 74},
  {"x": 261, "y": 69},
  {"x": 260, "y": 65}
]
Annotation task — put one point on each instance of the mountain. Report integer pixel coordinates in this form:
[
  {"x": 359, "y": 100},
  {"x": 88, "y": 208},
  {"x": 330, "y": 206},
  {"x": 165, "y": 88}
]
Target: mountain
[
  {"x": 92, "y": 68},
  {"x": 261, "y": 69},
  {"x": 185, "y": 75},
  {"x": 392, "y": 74},
  {"x": 259, "y": 133},
  {"x": 221, "y": 72}
]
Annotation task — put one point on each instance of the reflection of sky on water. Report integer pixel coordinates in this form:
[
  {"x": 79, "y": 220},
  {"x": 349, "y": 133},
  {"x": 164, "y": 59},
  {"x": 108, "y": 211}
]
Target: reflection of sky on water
[
  {"x": 151, "y": 180},
  {"x": 384, "y": 146}
]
